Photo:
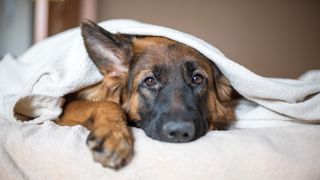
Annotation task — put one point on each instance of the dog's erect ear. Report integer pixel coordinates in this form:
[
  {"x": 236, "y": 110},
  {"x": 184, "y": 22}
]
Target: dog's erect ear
[{"x": 110, "y": 52}]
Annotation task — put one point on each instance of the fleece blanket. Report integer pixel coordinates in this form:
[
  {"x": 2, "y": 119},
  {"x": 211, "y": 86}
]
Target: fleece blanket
[{"x": 276, "y": 135}]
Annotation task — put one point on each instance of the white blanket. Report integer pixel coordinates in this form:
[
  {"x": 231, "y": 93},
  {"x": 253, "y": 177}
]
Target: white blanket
[{"x": 276, "y": 135}]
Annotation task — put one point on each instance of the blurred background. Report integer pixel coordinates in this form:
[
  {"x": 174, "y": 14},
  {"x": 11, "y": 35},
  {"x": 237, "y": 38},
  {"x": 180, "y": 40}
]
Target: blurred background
[{"x": 277, "y": 38}]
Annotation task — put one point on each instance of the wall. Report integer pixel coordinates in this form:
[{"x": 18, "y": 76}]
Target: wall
[
  {"x": 15, "y": 26},
  {"x": 272, "y": 38}
]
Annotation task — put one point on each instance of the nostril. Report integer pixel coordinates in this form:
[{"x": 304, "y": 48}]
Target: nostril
[
  {"x": 185, "y": 135},
  {"x": 172, "y": 134},
  {"x": 178, "y": 131}
]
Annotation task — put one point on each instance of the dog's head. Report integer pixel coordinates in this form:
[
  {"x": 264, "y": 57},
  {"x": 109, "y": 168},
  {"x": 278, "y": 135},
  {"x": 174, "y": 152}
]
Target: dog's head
[{"x": 169, "y": 89}]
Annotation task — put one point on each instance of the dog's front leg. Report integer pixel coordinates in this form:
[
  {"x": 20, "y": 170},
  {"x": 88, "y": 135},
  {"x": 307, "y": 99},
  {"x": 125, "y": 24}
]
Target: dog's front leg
[{"x": 110, "y": 139}]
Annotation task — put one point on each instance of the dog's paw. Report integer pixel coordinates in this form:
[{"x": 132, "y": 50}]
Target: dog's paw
[{"x": 112, "y": 148}]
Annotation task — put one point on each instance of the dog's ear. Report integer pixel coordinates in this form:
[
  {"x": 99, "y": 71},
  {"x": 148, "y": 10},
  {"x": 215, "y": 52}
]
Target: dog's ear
[
  {"x": 222, "y": 86},
  {"x": 110, "y": 52},
  {"x": 220, "y": 101}
]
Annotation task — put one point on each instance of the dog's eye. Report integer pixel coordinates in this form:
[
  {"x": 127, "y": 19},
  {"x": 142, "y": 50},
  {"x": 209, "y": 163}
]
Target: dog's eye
[
  {"x": 150, "y": 81},
  {"x": 197, "y": 79}
]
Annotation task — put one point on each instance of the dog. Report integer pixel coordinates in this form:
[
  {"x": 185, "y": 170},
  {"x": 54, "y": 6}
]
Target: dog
[{"x": 168, "y": 89}]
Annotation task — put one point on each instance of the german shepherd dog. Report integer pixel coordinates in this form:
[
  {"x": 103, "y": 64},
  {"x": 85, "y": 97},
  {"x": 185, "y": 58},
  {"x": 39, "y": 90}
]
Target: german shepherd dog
[{"x": 168, "y": 89}]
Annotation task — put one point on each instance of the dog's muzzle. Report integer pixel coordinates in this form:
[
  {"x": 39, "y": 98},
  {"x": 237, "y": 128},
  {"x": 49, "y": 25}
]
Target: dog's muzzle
[{"x": 174, "y": 117}]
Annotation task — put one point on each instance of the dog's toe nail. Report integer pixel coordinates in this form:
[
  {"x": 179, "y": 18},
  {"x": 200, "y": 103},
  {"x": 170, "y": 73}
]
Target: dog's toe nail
[{"x": 111, "y": 150}]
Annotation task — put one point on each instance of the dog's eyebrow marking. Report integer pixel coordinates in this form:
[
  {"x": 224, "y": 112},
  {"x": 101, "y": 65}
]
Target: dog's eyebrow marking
[
  {"x": 161, "y": 72},
  {"x": 191, "y": 65}
]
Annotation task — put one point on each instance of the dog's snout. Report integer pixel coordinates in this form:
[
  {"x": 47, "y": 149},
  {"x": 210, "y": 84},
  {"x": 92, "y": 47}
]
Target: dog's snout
[{"x": 178, "y": 131}]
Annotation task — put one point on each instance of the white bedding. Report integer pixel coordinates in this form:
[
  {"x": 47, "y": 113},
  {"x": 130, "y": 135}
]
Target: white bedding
[
  {"x": 277, "y": 135},
  {"x": 50, "y": 152}
]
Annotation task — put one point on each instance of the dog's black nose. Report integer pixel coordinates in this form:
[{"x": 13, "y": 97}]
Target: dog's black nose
[{"x": 178, "y": 131}]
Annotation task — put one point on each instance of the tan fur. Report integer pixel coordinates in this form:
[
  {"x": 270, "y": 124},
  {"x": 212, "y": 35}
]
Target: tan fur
[{"x": 109, "y": 130}]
